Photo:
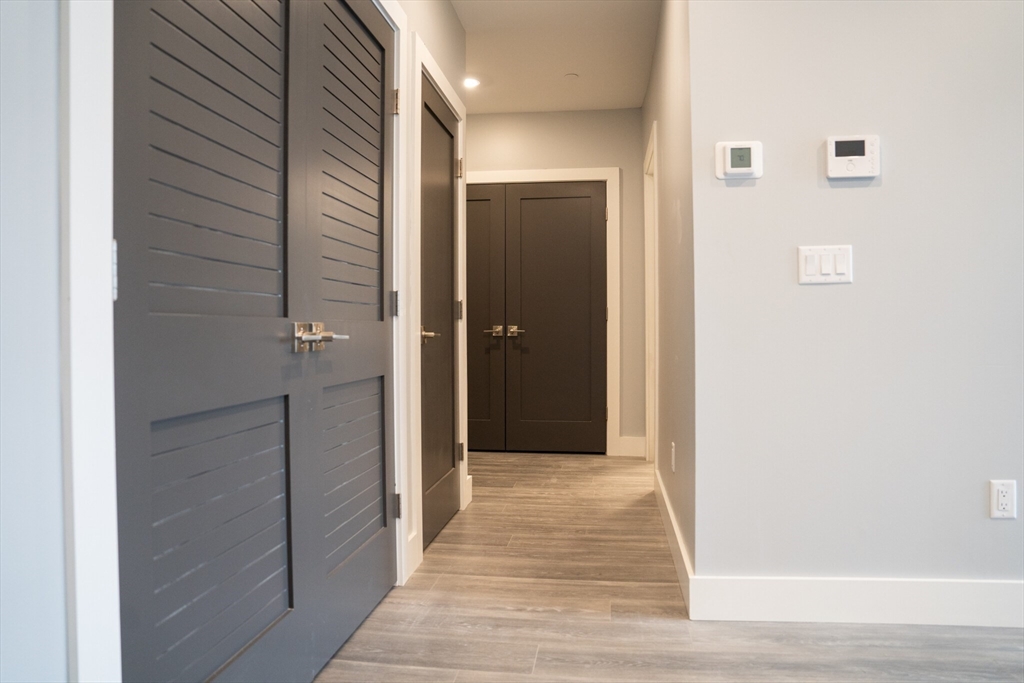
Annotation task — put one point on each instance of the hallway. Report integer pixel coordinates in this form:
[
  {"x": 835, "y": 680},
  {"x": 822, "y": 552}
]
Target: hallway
[{"x": 560, "y": 570}]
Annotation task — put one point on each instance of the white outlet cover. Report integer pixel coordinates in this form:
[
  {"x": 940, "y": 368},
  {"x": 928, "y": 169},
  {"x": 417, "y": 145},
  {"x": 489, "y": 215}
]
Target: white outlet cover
[{"x": 1003, "y": 499}]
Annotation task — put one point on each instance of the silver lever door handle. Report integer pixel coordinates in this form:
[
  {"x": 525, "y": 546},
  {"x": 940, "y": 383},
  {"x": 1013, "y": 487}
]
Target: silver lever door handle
[
  {"x": 323, "y": 337},
  {"x": 495, "y": 331},
  {"x": 514, "y": 331},
  {"x": 427, "y": 335},
  {"x": 311, "y": 337}
]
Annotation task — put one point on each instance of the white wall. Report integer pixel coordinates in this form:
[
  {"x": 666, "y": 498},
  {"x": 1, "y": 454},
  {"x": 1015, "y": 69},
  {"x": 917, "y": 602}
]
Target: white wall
[
  {"x": 33, "y": 621},
  {"x": 859, "y": 424},
  {"x": 438, "y": 25},
  {"x": 584, "y": 139},
  {"x": 668, "y": 104}
]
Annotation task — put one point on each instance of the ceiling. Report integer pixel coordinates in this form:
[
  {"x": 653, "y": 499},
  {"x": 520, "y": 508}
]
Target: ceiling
[{"x": 521, "y": 51}]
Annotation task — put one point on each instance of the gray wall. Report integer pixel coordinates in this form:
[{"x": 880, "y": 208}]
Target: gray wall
[
  {"x": 33, "y": 625},
  {"x": 581, "y": 139},
  {"x": 668, "y": 104},
  {"x": 851, "y": 430},
  {"x": 441, "y": 31}
]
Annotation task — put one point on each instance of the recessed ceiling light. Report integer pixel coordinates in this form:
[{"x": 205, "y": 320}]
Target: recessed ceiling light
[{"x": 470, "y": 82}]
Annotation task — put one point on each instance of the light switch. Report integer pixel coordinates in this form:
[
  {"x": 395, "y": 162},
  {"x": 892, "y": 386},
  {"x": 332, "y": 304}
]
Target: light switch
[
  {"x": 825, "y": 265},
  {"x": 841, "y": 263}
]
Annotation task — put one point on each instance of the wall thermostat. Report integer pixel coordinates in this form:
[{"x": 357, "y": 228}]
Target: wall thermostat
[
  {"x": 738, "y": 160},
  {"x": 854, "y": 156}
]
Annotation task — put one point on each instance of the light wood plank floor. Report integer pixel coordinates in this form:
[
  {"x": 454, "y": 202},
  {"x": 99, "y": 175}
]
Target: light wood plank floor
[{"x": 559, "y": 571}]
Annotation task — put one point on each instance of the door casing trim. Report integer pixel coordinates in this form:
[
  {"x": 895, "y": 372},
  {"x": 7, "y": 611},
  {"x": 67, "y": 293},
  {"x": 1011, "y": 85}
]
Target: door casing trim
[
  {"x": 617, "y": 444},
  {"x": 651, "y": 293},
  {"x": 93, "y": 591}
]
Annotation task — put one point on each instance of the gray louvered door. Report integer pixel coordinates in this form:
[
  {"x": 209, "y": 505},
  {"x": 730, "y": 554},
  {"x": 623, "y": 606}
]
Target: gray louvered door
[{"x": 252, "y": 190}]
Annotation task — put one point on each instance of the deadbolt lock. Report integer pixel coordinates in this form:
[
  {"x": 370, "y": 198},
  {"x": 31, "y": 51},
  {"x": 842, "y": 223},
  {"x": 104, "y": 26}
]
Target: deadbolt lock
[{"x": 311, "y": 337}]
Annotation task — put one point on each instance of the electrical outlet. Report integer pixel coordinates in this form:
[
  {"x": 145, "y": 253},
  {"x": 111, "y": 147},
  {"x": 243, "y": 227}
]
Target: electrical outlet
[
  {"x": 673, "y": 456},
  {"x": 1003, "y": 498}
]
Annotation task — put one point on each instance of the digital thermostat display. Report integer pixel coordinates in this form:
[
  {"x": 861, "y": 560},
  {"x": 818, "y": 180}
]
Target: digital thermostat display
[
  {"x": 854, "y": 156},
  {"x": 739, "y": 160},
  {"x": 740, "y": 157},
  {"x": 849, "y": 148}
]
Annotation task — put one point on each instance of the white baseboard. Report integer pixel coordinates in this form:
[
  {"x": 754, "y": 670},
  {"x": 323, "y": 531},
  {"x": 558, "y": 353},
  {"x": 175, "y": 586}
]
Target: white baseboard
[
  {"x": 466, "y": 493},
  {"x": 627, "y": 446},
  {"x": 680, "y": 556},
  {"x": 946, "y": 602}
]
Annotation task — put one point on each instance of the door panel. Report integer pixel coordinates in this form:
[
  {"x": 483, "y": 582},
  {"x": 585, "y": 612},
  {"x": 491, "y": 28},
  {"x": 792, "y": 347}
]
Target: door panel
[
  {"x": 439, "y": 458},
  {"x": 220, "y": 541},
  {"x": 485, "y": 305},
  {"x": 353, "y": 468},
  {"x": 555, "y": 279},
  {"x": 215, "y": 212},
  {"x": 252, "y": 480}
]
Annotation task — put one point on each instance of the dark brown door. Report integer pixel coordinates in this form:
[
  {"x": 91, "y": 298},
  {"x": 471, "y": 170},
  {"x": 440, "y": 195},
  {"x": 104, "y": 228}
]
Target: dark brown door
[
  {"x": 485, "y": 318},
  {"x": 555, "y": 343},
  {"x": 555, "y": 296},
  {"x": 437, "y": 220},
  {"x": 252, "y": 190}
]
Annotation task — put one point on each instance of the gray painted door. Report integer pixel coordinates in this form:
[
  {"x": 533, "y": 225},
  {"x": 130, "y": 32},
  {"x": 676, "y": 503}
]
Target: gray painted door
[
  {"x": 555, "y": 284},
  {"x": 439, "y": 435},
  {"x": 485, "y": 315},
  {"x": 252, "y": 190}
]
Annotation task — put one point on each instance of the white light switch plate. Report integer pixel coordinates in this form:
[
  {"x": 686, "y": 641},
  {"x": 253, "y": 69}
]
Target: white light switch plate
[{"x": 825, "y": 265}]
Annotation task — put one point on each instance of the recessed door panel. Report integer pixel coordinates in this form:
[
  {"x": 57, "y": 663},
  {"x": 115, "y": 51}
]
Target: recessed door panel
[
  {"x": 220, "y": 531},
  {"x": 555, "y": 355},
  {"x": 350, "y": 159},
  {"x": 215, "y": 160},
  {"x": 354, "y": 484}
]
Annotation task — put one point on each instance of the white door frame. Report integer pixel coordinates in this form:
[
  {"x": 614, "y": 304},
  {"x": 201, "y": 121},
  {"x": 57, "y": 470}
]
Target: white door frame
[
  {"x": 87, "y": 340},
  {"x": 416, "y": 60},
  {"x": 651, "y": 294},
  {"x": 617, "y": 444}
]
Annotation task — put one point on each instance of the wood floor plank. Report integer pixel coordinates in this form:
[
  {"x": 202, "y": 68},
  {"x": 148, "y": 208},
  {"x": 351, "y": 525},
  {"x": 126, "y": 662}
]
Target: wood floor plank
[
  {"x": 339, "y": 670},
  {"x": 560, "y": 571}
]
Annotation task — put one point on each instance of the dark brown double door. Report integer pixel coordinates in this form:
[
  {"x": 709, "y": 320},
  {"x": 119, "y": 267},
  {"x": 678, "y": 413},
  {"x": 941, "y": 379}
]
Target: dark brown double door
[
  {"x": 536, "y": 299},
  {"x": 252, "y": 191}
]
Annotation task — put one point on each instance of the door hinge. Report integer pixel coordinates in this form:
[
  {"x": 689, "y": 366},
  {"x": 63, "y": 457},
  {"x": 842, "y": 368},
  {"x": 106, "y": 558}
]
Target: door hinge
[
  {"x": 462, "y": 451},
  {"x": 606, "y": 413},
  {"x": 460, "y": 169},
  {"x": 606, "y": 314},
  {"x": 113, "y": 269},
  {"x": 396, "y": 102},
  {"x": 606, "y": 213},
  {"x": 398, "y": 506},
  {"x": 394, "y": 303},
  {"x": 458, "y": 309}
]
